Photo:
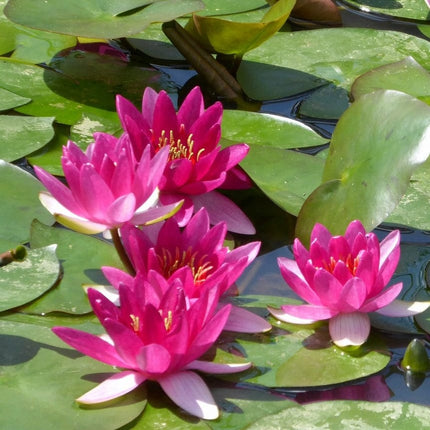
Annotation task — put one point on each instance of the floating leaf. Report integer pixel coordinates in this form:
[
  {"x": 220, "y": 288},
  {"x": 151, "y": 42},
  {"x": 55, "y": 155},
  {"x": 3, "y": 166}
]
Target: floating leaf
[
  {"x": 377, "y": 144},
  {"x": 23, "y": 281},
  {"x": 21, "y": 135},
  {"x": 85, "y": 84},
  {"x": 104, "y": 19},
  {"x": 9, "y": 100},
  {"x": 231, "y": 37},
  {"x": 228, "y": 7},
  {"x": 20, "y": 205},
  {"x": 81, "y": 257},
  {"x": 268, "y": 130},
  {"x": 348, "y": 414},
  {"x": 327, "y": 54},
  {"x": 407, "y": 76},
  {"x": 41, "y": 377},
  {"x": 413, "y": 10}
]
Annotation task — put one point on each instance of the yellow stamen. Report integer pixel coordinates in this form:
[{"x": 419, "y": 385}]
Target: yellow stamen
[{"x": 135, "y": 324}]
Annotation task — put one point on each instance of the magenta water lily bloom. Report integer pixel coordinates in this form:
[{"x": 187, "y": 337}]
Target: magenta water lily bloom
[
  {"x": 155, "y": 335},
  {"x": 342, "y": 278},
  {"x": 195, "y": 253},
  {"x": 107, "y": 186},
  {"x": 197, "y": 164}
]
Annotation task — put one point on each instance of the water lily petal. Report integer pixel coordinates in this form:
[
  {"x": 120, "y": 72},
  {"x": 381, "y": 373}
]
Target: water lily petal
[
  {"x": 154, "y": 359},
  {"x": 188, "y": 390},
  {"x": 108, "y": 291},
  {"x": 349, "y": 329},
  {"x": 327, "y": 287},
  {"x": 402, "y": 308},
  {"x": 222, "y": 368},
  {"x": 301, "y": 314},
  {"x": 320, "y": 234},
  {"x": 80, "y": 225},
  {"x": 383, "y": 299},
  {"x": 220, "y": 209},
  {"x": 122, "y": 209},
  {"x": 113, "y": 387},
  {"x": 243, "y": 321},
  {"x": 156, "y": 214},
  {"x": 192, "y": 108},
  {"x": 353, "y": 295}
]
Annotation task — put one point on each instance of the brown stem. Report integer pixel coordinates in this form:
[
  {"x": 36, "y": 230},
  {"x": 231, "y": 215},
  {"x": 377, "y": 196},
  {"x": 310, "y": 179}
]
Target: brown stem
[{"x": 121, "y": 251}]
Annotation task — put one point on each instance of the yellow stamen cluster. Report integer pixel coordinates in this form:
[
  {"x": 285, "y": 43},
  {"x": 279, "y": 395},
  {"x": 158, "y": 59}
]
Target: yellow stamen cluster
[
  {"x": 179, "y": 148},
  {"x": 135, "y": 323},
  {"x": 200, "y": 267},
  {"x": 351, "y": 264},
  {"x": 168, "y": 321}
]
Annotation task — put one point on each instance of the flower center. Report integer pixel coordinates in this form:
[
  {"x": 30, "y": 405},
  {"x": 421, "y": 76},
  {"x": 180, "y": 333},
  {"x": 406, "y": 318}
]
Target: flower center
[
  {"x": 351, "y": 264},
  {"x": 180, "y": 147},
  {"x": 201, "y": 267}
]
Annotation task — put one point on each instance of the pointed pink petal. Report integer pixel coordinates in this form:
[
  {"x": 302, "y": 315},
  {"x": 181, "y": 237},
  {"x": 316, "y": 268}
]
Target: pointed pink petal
[
  {"x": 237, "y": 179},
  {"x": 220, "y": 208},
  {"x": 354, "y": 229},
  {"x": 90, "y": 345},
  {"x": 212, "y": 367},
  {"x": 113, "y": 387},
  {"x": 122, "y": 209},
  {"x": 191, "y": 108},
  {"x": 154, "y": 359},
  {"x": 384, "y": 298},
  {"x": 164, "y": 119},
  {"x": 294, "y": 278},
  {"x": 327, "y": 287},
  {"x": 149, "y": 100},
  {"x": 302, "y": 314},
  {"x": 81, "y": 225},
  {"x": 321, "y": 234},
  {"x": 338, "y": 248},
  {"x": 349, "y": 329},
  {"x": 188, "y": 390},
  {"x": 203, "y": 126},
  {"x": 107, "y": 291},
  {"x": 154, "y": 215},
  {"x": 116, "y": 276},
  {"x": 243, "y": 321},
  {"x": 401, "y": 308},
  {"x": 353, "y": 295}
]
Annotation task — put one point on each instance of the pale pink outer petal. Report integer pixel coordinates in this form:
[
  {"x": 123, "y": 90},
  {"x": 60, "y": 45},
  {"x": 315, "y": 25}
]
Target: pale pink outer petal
[
  {"x": 222, "y": 368},
  {"x": 220, "y": 208},
  {"x": 113, "y": 387},
  {"x": 243, "y": 321},
  {"x": 402, "y": 308},
  {"x": 311, "y": 314},
  {"x": 108, "y": 291},
  {"x": 189, "y": 391},
  {"x": 293, "y": 276},
  {"x": 154, "y": 215},
  {"x": 349, "y": 329},
  {"x": 122, "y": 209},
  {"x": 383, "y": 299}
]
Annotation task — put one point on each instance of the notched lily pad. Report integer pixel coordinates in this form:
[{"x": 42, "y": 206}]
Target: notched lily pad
[{"x": 24, "y": 281}]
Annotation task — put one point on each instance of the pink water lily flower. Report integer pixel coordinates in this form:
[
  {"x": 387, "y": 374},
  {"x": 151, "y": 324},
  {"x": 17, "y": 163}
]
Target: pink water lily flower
[
  {"x": 197, "y": 253},
  {"x": 155, "y": 335},
  {"x": 342, "y": 278},
  {"x": 197, "y": 164},
  {"x": 107, "y": 186}
]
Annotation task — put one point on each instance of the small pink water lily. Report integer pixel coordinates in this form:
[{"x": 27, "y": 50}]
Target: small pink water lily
[
  {"x": 108, "y": 186},
  {"x": 155, "y": 335},
  {"x": 342, "y": 278},
  {"x": 195, "y": 255},
  {"x": 197, "y": 164}
]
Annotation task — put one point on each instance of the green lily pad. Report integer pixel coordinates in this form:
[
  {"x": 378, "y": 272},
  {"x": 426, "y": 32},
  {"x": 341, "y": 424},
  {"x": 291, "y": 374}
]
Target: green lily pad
[
  {"x": 232, "y": 37},
  {"x": 292, "y": 175},
  {"x": 409, "y": 10},
  {"x": 49, "y": 157},
  {"x": 9, "y": 100},
  {"x": 85, "y": 84},
  {"x": 21, "y": 135},
  {"x": 376, "y": 145},
  {"x": 406, "y": 75},
  {"x": 348, "y": 414},
  {"x": 20, "y": 205},
  {"x": 327, "y": 102},
  {"x": 41, "y": 377},
  {"x": 328, "y": 54},
  {"x": 228, "y": 7},
  {"x": 81, "y": 257},
  {"x": 24, "y": 281},
  {"x": 268, "y": 130},
  {"x": 105, "y": 19}
]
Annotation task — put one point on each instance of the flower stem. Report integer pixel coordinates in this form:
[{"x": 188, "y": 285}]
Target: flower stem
[{"x": 121, "y": 251}]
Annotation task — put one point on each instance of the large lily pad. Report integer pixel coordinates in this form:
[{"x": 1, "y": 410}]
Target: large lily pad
[
  {"x": 105, "y": 19},
  {"x": 41, "y": 377},
  {"x": 20, "y": 205},
  {"x": 376, "y": 146},
  {"x": 81, "y": 257},
  {"x": 9, "y": 100},
  {"x": 21, "y": 135},
  {"x": 23, "y": 281},
  {"x": 348, "y": 414},
  {"x": 268, "y": 130},
  {"x": 85, "y": 83},
  {"x": 328, "y": 54},
  {"x": 408, "y": 10}
]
